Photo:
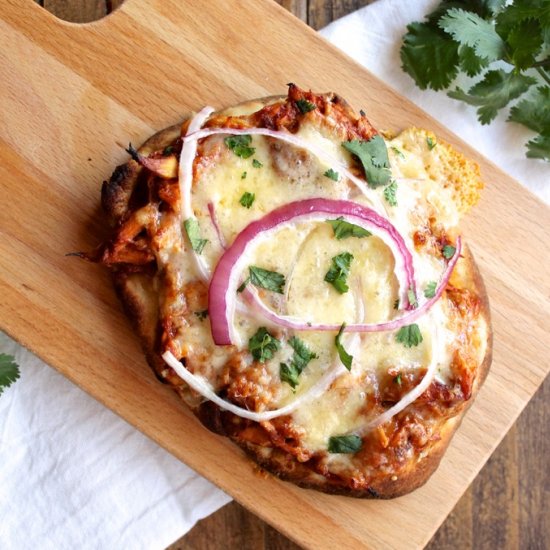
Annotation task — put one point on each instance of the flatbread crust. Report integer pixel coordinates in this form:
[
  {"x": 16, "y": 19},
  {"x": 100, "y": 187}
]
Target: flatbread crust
[{"x": 139, "y": 295}]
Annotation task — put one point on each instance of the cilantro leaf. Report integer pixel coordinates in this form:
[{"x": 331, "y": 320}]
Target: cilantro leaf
[
  {"x": 448, "y": 251},
  {"x": 344, "y": 444},
  {"x": 240, "y": 145},
  {"x": 411, "y": 295},
  {"x": 300, "y": 359},
  {"x": 345, "y": 357},
  {"x": 389, "y": 193},
  {"x": 430, "y": 289},
  {"x": 520, "y": 10},
  {"x": 539, "y": 148},
  {"x": 398, "y": 152},
  {"x": 494, "y": 92},
  {"x": 373, "y": 155},
  {"x": 302, "y": 354},
  {"x": 331, "y": 174},
  {"x": 343, "y": 229},
  {"x": 262, "y": 345},
  {"x": 338, "y": 273},
  {"x": 242, "y": 286},
  {"x": 469, "y": 29},
  {"x": 243, "y": 175},
  {"x": 289, "y": 374},
  {"x": 9, "y": 371},
  {"x": 428, "y": 56},
  {"x": 193, "y": 233},
  {"x": 470, "y": 62},
  {"x": 409, "y": 335},
  {"x": 525, "y": 41},
  {"x": 270, "y": 280},
  {"x": 247, "y": 199},
  {"x": 256, "y": 163},
  {"x": 494, "y": 6},
  {"x": 305, "y": 106},
  {"x": 430, "y": 142},
  {"x": 534, "y": 112}
]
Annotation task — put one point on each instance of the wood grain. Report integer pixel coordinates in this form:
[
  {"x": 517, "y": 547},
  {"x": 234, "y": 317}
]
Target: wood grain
[{"x": 488, "y": 526}]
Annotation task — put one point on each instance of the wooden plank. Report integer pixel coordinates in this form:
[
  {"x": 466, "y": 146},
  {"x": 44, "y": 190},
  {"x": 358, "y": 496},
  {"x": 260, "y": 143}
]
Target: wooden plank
[{"x": 132, "y": 91}]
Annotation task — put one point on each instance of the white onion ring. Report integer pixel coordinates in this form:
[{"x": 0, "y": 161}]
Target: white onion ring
[
  {"x": 201, "y": 386},
  {"x": 185, "y": 179}
]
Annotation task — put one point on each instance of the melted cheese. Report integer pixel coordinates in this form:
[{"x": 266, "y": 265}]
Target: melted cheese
[{"x": 303, "y": 254}]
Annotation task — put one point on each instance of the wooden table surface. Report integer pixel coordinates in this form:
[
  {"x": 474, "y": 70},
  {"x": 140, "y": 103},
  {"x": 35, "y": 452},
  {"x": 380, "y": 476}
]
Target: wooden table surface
[{"x": 506, "y": 507}]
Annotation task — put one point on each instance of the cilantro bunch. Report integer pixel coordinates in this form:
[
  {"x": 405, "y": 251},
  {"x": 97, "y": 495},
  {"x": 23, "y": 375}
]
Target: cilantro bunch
[{"x": 505, "y": 45}]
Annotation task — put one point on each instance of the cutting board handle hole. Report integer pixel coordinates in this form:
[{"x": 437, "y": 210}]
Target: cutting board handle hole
[{"x": 80, "y": 11}]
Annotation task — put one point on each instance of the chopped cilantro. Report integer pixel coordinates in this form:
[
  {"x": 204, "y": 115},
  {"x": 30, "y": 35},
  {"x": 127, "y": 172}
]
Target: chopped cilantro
[
  {"x": 243, "y": 175},
  {"x": 193, "y": 233},
  {"x": 373, "y": 155},
  {"x": 345, "y": 444},
  {"x": 338, "y": 273},
  {"x": 300, "y": 359},
  {"x": 202, "y": 315},
  {"x": 343, "y": 229},
  {"x": 448, "y": 251},
  {"x": 243, "y": 285},
  {"x": 305, "y": 106},
  {"x": 262, "y": 345},
  {"x": 331, "y": 174},
  {"x": 398, "y": 152},
  {"x": 429, "y": 291},
  {"x": 168, "y": 151},
  {"x": 247, "y": 199},
  {"x": 240, "y": 145},
  {"x": 431, "y": 143},
  {"x": 411, "y": 295},
  {"x": 396, "y": 304},
  {"x": 256, "y": 163},
  {"x": 270, "y": 280},
  {"x": 345, "y": 357},
  {"x": 389, "y": 193},
  {"x": 409, "y": 335},
  {"x": 397, "y": 379}
]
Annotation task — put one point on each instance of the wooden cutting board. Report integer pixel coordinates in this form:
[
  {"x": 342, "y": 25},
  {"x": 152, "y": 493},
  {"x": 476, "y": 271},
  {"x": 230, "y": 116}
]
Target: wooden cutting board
[{"x": 73, "y": 96}]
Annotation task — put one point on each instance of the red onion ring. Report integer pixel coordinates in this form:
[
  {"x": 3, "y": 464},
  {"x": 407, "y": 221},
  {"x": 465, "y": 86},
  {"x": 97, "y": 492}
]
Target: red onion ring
[
  {"x": 394, "y": 324},
  {"x": 222, "y": 291}
]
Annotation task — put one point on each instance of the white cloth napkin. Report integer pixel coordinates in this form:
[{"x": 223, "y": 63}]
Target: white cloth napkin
[{"x": 73, "y": 474}]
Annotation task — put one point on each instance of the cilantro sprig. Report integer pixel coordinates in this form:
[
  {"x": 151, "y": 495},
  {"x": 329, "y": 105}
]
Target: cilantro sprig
[
  {"x": 505, "y": 46},
  {"x": 9, "y": 371}
]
